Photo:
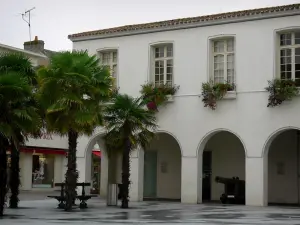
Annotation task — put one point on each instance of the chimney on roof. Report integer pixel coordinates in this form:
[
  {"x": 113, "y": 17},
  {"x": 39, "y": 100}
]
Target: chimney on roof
[{"x": 35, "y": 46}]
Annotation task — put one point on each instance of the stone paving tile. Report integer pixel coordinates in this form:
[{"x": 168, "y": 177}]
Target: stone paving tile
[{"x": 44, "y": 212}]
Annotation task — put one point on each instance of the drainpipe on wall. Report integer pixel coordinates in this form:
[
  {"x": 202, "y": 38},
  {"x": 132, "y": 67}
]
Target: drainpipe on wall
[{"x": 298, "y": 172}]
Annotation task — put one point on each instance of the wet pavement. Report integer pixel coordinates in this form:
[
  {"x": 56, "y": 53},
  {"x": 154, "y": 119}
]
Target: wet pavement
[{"x": 42, "y": 212}]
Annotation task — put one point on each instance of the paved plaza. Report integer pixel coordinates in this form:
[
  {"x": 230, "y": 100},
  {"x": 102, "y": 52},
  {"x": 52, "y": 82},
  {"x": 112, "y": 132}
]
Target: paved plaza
[{"x": 41, "y": 211}]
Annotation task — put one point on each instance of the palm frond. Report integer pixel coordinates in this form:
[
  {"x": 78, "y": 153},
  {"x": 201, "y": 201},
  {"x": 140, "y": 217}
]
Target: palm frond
[
  {"x": 127, "y": 118},
  {"x": 71, "y": 90},
  {"x": 20, "y": 114}
]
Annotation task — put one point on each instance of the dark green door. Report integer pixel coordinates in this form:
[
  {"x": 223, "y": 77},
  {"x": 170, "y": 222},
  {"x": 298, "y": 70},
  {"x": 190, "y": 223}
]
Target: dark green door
[
  {"x": 206, "y": 181},
  {"x": 150, "y": 174}
]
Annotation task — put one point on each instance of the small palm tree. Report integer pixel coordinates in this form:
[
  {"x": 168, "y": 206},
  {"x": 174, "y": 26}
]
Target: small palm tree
[
  {"x": 17, "y": 118},
  {"x": 19, "y": 63},
  {"x": 71, "y": 91},
  {"x": 129, "y": 125}
]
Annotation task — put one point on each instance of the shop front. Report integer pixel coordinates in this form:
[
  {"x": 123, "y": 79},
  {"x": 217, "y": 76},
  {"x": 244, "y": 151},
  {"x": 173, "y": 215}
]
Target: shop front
[
  {"x": 40, "y": 168},
  {"x": 96, "y": 171}
]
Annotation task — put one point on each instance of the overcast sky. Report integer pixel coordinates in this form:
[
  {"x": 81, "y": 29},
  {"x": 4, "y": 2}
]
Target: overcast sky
[{"x": 53, "y": 20}]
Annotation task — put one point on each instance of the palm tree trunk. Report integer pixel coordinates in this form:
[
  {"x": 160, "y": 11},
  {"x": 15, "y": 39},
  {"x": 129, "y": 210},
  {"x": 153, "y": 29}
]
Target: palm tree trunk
[
  {"x": 125, "y": 174},
  {"x": 14, "y": 178},
  {"x": 72, "y": 173},
  {"x": 3, "y": 173}
]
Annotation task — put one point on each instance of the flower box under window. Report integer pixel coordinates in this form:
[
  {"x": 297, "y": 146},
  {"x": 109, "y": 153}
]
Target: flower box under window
[{"x": 155, "y": 96}]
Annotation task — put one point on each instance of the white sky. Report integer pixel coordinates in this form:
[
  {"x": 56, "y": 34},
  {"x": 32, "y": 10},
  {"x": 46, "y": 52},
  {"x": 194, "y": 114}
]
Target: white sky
[{"x": 53, "y": 20}]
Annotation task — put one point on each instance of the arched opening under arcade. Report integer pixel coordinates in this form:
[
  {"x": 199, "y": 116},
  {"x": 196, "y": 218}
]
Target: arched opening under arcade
[
  {"x": 282, "y": 158},
  {"x": 221, "y": 168},
  {"x": 162, "y": 169},
  {"x": 96, "y": 169},
  {"x": 100, "y": 170}
]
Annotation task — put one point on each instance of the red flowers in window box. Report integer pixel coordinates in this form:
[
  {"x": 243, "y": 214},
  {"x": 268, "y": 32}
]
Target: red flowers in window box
[
  {"x": 156, "y": 95},
  {"x": 152, "y": 106}
]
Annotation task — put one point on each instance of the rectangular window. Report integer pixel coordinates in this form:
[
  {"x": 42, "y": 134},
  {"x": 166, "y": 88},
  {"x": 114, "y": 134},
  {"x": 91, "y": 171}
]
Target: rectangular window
[
  {"x": 163, "y": 65},
  {"x": 290, "y": 56},
  {"x": 223, "y": 61},
  {"x": 110, "y": 59}
]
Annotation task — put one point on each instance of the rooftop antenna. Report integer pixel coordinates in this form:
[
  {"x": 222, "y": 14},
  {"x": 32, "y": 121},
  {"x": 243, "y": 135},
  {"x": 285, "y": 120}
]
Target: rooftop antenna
[{"x": 27, "y": 12}]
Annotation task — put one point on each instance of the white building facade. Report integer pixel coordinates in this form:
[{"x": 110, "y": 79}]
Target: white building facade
[{"x": 242, "y": 137}]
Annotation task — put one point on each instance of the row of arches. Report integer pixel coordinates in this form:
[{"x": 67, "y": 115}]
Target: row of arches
[{"x": 223, "y": 153}]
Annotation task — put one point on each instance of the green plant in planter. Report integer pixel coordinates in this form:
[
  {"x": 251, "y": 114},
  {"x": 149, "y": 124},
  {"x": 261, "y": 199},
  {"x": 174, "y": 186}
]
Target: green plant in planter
[
  {"x": 281, "y": 90},
  {"x": 211, "y": 93},
  {"x": 155, "y": 96}
]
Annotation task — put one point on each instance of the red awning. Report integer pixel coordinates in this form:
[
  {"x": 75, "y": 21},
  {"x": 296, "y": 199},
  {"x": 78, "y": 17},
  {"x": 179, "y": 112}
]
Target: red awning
[{"x": 97, "y": 153}]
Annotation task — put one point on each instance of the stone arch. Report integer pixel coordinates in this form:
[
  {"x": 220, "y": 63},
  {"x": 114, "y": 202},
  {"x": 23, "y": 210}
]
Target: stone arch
[
  {"x": 272, "y": 136},
  {"x": 105, "y": 178},
  {"x": 99, "y": 134},
  {"x": 207, "y": 136},
  {"x": 93, "y": 139},
  {"x": 281, "y": 168},
  {"x": 162, "y": 167},
  {"x": 200, "y": 150},
  {"x": 172, "y": 135},
  {"x": 87, "y": 162}
]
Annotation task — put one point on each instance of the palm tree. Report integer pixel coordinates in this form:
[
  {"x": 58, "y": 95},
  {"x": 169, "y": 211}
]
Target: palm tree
[
  {"x": 17, "y": 119},
  {"x": 17, "y": 62},
  {"x": 71, "y": 90},
  {"x": 129, "y": 125},
  {"x": 3, "y": 171}
]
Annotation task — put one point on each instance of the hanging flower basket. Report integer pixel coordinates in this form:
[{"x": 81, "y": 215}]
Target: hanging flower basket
[
  {"x": 212, "y": 93},
  {"x": 281, "y": 90},
  {"x": 154, "y": 96}
]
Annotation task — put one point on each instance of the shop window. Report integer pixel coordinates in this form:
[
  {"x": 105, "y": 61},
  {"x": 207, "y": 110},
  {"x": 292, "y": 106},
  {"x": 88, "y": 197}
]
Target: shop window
[
  {"x": 96, "y": 169},
  {"x": 42, "y": 171}
]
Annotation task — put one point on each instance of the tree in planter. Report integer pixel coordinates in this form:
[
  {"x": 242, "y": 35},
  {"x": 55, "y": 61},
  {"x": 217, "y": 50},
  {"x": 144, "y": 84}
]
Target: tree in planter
[
  {"x": 72, "y": 90},
  {"x": 19, "y": 63},
  {"x": 16, "y": 120},
  {"x": 129, "y": 125},
  {"x": 212, "y": 93},
  {"x": 281, "y": 90},
  {"x": 155, "y": 96}
]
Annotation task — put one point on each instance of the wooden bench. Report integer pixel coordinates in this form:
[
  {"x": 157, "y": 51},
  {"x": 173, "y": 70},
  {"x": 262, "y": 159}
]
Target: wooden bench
[{"x": 83, "y": 197}]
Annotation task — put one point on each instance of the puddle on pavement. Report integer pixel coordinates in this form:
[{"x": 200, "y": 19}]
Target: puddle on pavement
[
  {"x": 160, "y": 215},
  {"x": 221, "y": 216},
  {"x": 284, "y": 216},
  {"x": 11, "y": 216}
]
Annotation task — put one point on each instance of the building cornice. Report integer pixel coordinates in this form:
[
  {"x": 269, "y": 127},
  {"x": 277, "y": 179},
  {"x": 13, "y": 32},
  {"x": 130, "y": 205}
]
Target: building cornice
[{"x": 189, "y": 23}]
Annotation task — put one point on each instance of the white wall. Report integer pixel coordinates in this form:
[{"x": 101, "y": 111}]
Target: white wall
[
  {"x": 35, "y": 59},
  {"x": 228, "y": 160},
  {"x": 26, "y": 171},
  {"x": 283, "y": 175},
  {"x": 168, "y": 153},
  {"x": 255, "y": 57},
  {"x": 58, "y": 168},
  {"x": 55, "y": 142},
  {"x": 186, "y": 118}
]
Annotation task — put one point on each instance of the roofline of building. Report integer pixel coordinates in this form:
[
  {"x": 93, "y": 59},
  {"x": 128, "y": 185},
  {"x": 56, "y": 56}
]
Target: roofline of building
[
  {"x": 255, "y": 17},
  {"x": 22, "y": 51}
]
